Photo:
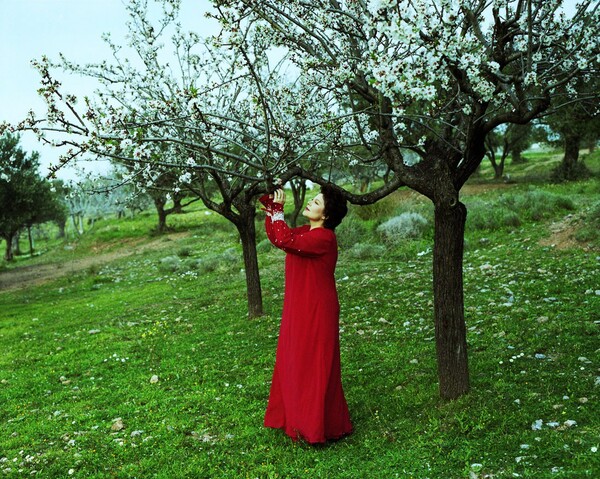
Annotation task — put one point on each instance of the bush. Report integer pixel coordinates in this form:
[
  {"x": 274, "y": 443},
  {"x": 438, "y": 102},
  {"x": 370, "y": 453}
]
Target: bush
[
  {"x": 380, "y": 209},
  {"x": 366, "y": 250},
  {"x": 170, "y": 263},
  {"x": 351, "y": 231},
  {"x": 590, "y": 232},
  {"x": 264, "y": 246},
  {"x": 407, "y": 225},
  {"x": 537, "y": 204},
  {"x": 185, "y": 252},
  {"x": 509, "y": 211},
  {"x": 483, "y": 216}
]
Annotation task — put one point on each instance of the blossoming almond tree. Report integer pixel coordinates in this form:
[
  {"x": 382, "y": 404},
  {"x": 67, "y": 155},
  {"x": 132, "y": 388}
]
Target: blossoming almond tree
[
  {"x": 431, "y": 78},
  {"x": 218, "y": 120}
]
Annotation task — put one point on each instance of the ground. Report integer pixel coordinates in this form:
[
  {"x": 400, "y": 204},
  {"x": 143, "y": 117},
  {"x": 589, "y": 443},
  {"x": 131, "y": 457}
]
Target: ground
[{"x": 37, "y": 274}]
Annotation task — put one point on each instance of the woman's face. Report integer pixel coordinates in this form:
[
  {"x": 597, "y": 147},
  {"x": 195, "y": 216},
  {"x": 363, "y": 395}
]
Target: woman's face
[{"x": 315, "y": 208}]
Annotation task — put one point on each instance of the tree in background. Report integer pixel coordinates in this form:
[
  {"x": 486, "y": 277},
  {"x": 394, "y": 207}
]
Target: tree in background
[
  {"x": 508, "y": 140},
  {"x": 26, "y": 198},
  {"x": 577, "y": 124}
]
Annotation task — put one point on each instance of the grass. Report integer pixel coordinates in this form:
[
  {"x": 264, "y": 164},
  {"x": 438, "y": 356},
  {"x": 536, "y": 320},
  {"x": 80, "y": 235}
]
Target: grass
[{"x": 80, "y": 352}]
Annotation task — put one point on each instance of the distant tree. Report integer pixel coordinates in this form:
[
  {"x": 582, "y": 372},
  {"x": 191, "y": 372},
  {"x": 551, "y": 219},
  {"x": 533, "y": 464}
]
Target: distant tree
[
  {"x": 577, "y": 124},
  {"x": 26, "y": 198},
  {"x": 507, "y": 140}
]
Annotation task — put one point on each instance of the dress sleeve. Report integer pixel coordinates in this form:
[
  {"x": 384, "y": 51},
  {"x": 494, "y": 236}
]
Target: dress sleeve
[{"x": 296, "y": 242}]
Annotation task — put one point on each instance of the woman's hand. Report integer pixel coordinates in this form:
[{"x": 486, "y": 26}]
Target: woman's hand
[{"x": 279, "y": 197}]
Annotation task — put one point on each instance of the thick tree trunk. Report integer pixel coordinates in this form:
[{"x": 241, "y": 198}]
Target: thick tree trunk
[
  {"x": 247, "y": 231},
  {"x": 450, "y": 329},
  {"x": 159, "y": 203},
  {"x": 572, "y": 143},
  {"x": 516, "y": 156}
]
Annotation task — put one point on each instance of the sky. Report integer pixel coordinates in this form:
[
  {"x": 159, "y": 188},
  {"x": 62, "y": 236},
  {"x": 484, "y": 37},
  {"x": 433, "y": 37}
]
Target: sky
[{"x": 32, "y": 28}]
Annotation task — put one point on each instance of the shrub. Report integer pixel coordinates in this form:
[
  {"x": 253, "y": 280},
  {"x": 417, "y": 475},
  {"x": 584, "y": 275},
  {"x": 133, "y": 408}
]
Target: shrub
[
  {"x": 264, "y": 246},
  {"x": 380, "y": 209},
  {"x": 185, "y": 252},
  {"x": 366, "y": 250},
  {"x": 590, "y": 232},
  {"x": 407, "y": 225},
  {"x": 351, "y": 231},
  {"x": 170, "y": 263},
  {"x": 509, "y": 211}
]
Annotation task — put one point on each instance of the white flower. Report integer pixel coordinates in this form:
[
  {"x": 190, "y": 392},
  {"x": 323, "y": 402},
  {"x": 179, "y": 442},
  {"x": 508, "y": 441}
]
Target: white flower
[
  {"x": 126, "y": 143},
  {"x": 186, "y": 177}
]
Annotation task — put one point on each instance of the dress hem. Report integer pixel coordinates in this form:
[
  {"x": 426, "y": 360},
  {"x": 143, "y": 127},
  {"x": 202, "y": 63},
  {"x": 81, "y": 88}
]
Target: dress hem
[{"x": 301, "y": 437}]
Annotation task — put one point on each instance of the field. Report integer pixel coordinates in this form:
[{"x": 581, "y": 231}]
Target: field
[{"x": 139, "y": 361}]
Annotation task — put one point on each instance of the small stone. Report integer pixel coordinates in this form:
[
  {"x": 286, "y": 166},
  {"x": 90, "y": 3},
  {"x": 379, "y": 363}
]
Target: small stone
[
  {"x": 154, "y": 379},
  {"x": 117, "y": 425},
  {"x": 93, "y": 331}
]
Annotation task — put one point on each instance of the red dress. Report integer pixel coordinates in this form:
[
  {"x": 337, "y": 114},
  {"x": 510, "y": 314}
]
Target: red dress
[{"x": 306, "y": 399}]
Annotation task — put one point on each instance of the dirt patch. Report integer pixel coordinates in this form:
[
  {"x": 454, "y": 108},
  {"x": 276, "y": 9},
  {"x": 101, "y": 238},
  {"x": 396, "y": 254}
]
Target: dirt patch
[
  {"x": 26, "y": 276},
  {"x": 562, "y": 233}
]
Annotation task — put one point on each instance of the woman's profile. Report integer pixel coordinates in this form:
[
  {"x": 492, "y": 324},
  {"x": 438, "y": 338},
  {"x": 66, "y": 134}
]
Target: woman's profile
[{"x": 306, "y": 398}]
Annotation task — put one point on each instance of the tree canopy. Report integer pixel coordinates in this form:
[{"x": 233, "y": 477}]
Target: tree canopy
[{"x": 26, "y": 198}]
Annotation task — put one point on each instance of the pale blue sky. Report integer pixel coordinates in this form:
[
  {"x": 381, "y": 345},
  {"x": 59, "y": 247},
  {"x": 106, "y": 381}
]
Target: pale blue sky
[{"x": 32, "y": 28}]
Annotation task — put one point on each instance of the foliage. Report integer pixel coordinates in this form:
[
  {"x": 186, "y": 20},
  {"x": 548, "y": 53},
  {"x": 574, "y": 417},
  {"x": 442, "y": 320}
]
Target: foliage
[
  {"x": 407, "y": 225},
  {"x": 26, "y": 198},
  {"x": 366, "y": 250},
  {"x": 590, "y": 231},
  {"x": 511, "y": 210},
  {"x": 352, "y": 231}
]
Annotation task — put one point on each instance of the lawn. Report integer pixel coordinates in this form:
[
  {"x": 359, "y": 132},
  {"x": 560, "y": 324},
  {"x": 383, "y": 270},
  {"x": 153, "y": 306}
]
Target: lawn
[{"x": 147, "y": 366}]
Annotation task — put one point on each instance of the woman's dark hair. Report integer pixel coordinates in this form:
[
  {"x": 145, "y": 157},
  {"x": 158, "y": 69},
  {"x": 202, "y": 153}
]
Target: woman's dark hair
[{"x": 335, "y": 207}]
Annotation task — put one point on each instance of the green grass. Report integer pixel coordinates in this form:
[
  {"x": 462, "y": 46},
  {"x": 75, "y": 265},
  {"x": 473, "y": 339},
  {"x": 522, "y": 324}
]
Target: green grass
[{"x": 80, "y": 352}]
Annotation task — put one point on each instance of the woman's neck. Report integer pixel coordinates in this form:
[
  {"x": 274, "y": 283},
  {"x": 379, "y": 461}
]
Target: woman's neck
[{"x": 316, "y": 224}]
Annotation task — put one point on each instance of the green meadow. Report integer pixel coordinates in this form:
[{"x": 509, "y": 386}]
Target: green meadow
[{"x": 139, "y": 361}]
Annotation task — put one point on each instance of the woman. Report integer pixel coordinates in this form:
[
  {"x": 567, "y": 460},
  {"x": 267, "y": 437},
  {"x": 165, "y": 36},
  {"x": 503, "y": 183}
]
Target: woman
[{"x": 307, "y": 400}]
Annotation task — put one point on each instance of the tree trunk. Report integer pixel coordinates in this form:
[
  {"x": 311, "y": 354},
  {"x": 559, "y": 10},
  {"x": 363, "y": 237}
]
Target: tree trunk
[
  {"x": 8, "y": 253},
  {"x": 30, "y": 240},
  {"x": 516, "y": 156},
  {"x": 247, "y": 231},
  {"x": 61, "y": 229},
  {"x": 572, "y": 143},
  {"x": 450, "y": 329},
  {"x": 17, "y": 243},
  {"x": 159, "y": 203}
]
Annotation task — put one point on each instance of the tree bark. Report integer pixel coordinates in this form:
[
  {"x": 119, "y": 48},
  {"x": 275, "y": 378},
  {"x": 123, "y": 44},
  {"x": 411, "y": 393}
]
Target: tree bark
[
  {"x": 450, "y": 329},
  {"x": 247, "y": 230}
]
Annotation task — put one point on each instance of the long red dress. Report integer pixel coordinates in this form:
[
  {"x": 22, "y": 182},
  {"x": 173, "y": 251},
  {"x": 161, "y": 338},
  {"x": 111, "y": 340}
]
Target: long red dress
[{"x": 306, "y": 399}]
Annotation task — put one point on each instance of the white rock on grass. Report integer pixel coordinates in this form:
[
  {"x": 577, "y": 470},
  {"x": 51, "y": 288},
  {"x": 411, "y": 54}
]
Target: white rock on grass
[{"x": 154, "y": 379}]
